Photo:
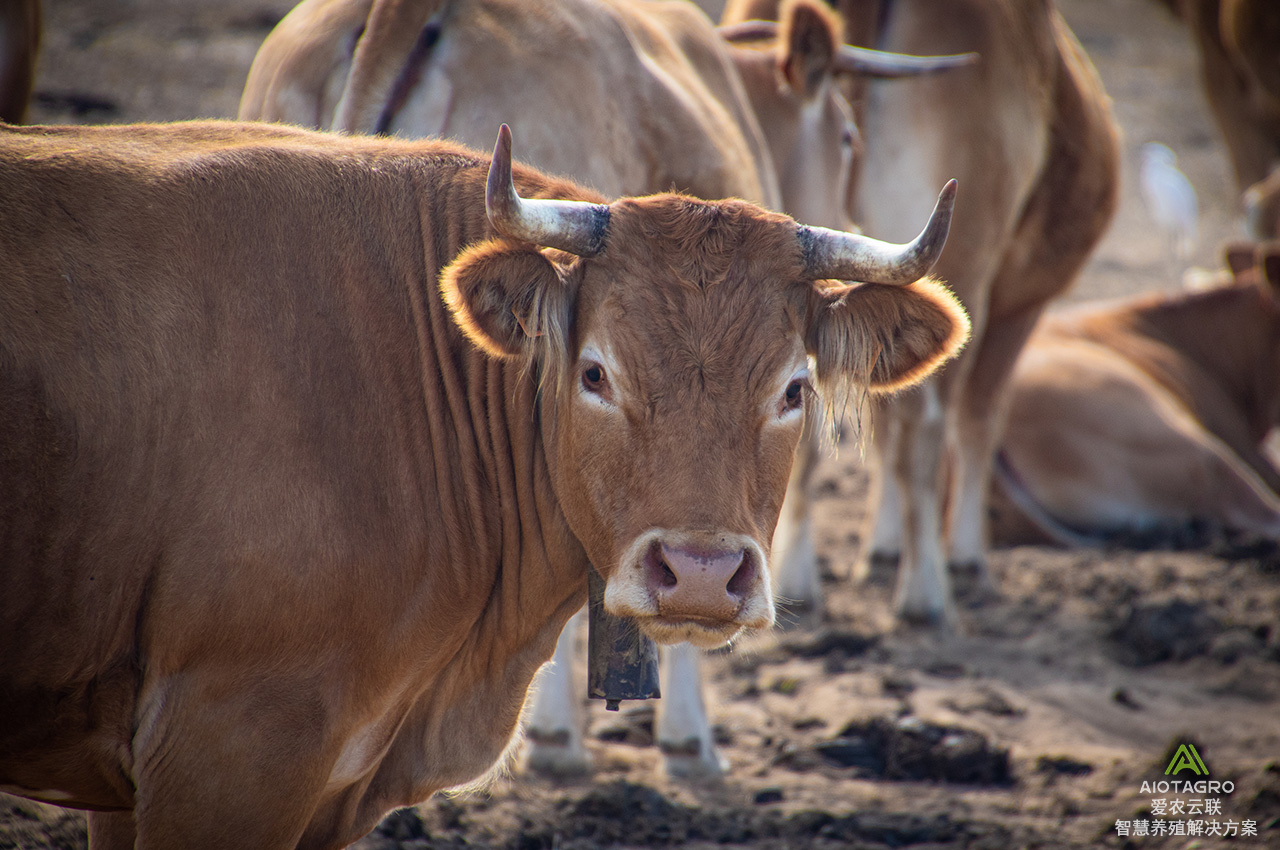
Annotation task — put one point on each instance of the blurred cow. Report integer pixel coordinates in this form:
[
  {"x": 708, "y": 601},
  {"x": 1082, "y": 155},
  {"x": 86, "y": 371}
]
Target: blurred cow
[
  {"x": 657, "y": 99},
  {"x": 1131, "y": 421},
  {"x": 1029, "y": 132},
  {"x": 19, "y": 49}
]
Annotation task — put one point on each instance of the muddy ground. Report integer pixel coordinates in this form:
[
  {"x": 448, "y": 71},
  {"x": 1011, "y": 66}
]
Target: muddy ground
[{"x": 1033, "y": 728}]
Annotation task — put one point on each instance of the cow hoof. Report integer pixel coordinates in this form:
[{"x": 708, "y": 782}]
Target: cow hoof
[
  {"x": 876, "y": 567},
  {"x": 700, "y": 764},
  {"x": 554, "y": 760},
  {"x": 922, "y": 615},
  {"x": 972, "y": 582}
]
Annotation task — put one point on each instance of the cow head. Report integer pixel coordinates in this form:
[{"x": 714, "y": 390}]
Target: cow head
[
  {"x": 675, "y": 339},
  {"x": 794, "y": 84}
]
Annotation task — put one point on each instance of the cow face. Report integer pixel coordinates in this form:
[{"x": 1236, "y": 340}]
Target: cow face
[{"x": 675, "y": 345}]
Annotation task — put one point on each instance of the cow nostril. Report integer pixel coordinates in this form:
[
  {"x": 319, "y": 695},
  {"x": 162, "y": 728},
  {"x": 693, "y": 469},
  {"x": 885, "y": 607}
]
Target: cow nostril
[
  {"x": 660, "y": 572},
  {"x": 667, "y": 577},
  {"x": 740, "y": 581}
]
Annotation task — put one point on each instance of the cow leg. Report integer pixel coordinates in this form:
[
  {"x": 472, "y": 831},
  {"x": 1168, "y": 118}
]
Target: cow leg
[
  {"x": 111, "y": 830},
  {"x": 683, "y": 728},
  {"x": 924, "y": 589},
  {"x": 557, "y": 722},
  {"x": 797, "y": 583},
  {"x": 267, "y": 733},
  {"x": 981, "y": 408},
  {"x": 883, "y": 529}
]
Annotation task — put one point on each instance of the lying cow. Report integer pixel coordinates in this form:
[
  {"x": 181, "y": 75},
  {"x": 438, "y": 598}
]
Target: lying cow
[
  {"x": 1033, "y": 112},
  {"x": 305, "y": 460},
  {"x": 1136, "y": 420},
  {"x": 658, "y": 99}
]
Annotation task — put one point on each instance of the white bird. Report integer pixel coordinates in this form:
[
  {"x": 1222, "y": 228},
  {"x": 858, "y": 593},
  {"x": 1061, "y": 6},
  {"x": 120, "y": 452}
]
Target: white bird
[{"x": 1170, "y": 198}]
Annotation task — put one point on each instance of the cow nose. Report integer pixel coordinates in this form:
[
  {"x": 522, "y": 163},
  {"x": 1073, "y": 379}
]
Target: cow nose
[{"x": 697, "y": 582}]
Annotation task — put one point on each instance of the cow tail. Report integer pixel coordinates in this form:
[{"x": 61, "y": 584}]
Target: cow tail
[{"x": 386, "y": 63}]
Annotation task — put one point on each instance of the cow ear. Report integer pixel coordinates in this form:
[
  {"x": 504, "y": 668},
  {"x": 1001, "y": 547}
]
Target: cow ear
[
  {"x": 882, "y": 337},
  {"x": 808, "y": 45},
  {"x": 509, "y": 298}
]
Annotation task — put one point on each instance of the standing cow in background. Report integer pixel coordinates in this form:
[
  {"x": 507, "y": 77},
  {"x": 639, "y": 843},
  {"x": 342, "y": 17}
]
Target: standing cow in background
[
  {"x": 656, "y": 100},
  {"x": 1029, "y": 128},
  {"x": 306, "y": 459},
  {"x": 1139, "y": 419}
]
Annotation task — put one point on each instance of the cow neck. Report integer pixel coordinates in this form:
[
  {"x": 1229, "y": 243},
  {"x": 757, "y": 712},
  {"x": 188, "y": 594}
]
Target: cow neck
[{"x": 507, "y": 566}]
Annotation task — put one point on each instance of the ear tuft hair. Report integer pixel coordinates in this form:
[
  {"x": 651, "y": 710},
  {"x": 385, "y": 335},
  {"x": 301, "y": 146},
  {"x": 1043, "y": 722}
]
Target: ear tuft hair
[
  {"x": 510, "y": 300},
  {"x": 880, "y": 339}
]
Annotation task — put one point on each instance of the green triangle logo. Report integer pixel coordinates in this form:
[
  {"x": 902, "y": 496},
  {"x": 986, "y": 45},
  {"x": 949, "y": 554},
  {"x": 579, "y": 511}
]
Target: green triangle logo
[{"x": 1185, "y": 758}]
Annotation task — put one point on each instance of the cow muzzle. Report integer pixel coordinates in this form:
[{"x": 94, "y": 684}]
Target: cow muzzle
[{"x": 701, "y": 587}]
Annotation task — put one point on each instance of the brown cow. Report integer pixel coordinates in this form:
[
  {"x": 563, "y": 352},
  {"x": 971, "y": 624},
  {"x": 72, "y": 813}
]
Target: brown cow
[
  {"x": 288, "y": 527},
  {"x": 19, "y": 49},
  {"x": 1133, "y": 421},
  {"x": 1030, "y": 129},
  {"x": 657, "y": 99}
]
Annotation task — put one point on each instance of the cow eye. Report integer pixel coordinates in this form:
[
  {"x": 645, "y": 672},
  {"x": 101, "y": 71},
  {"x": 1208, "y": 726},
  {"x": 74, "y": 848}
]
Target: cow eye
[
  {"x": 593, "y": 378},
  {"x": 793, "y": 399}
]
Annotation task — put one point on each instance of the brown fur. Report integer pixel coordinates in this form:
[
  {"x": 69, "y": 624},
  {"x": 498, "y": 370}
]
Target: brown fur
[{"x": 280, "y": 547}]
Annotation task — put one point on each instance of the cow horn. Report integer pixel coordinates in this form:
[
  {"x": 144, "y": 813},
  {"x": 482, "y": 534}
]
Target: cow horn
[
  {"x": 885, "y": 65},
  {"x": 857, "y": 60},
  {"x": 574, "y": 226},
  {"x": 850, "y": 256}
]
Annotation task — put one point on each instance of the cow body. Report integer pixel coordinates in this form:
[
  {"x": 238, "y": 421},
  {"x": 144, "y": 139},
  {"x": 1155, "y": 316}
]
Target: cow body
[
  {"x": 288, "y": 528},
  {"x": 1030, "y": 128},
  {"x": 234, "y": 521},
  {"x": 1141, "y": 419}
]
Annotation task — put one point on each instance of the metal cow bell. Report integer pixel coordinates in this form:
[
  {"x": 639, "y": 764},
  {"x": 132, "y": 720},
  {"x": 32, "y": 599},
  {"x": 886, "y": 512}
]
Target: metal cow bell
[{"x": 621, "y": 662}]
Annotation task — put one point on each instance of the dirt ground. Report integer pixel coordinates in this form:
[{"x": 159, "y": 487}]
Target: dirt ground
[{"x": 1035, "y": 727}]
